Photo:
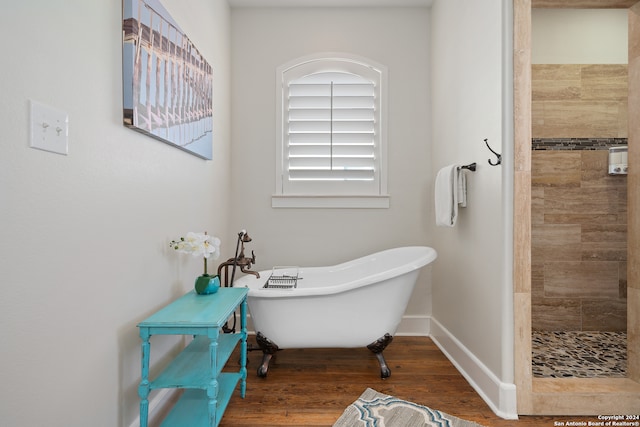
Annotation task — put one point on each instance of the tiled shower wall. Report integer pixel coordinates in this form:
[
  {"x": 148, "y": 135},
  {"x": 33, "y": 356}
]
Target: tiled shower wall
[
  {"x": 579, "y": 212},
  {"x": 579, "y": 100},
  {"x": 579, "y": 240}
]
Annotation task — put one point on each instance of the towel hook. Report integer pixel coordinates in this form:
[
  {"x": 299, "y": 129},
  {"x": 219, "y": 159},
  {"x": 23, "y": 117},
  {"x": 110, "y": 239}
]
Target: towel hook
[{"x": 499, "y": 156}]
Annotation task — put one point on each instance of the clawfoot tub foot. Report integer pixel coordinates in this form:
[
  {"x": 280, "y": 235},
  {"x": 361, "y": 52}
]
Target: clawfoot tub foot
[
  {"x": 377, "y": 348},
  {"x": 269, "y": 348},
  {"x": 264, "y": 365}
]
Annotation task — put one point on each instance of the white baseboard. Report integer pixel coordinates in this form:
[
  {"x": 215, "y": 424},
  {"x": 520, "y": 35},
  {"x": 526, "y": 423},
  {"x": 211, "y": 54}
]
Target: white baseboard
[
  {"x": 413, "y": 326},
  {"x": 500, "y": 396}
]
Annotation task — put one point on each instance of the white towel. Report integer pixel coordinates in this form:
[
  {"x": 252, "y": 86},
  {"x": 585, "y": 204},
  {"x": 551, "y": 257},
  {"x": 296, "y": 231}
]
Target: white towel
[{"x": 450, "y": 190}]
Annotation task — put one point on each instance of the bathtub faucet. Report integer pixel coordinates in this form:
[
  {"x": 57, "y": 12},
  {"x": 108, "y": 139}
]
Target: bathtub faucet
[{"x": 240, "y": 260}]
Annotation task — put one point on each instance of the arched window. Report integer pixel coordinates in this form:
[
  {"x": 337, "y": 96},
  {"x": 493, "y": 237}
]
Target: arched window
[{"x": 331, "y": 144}]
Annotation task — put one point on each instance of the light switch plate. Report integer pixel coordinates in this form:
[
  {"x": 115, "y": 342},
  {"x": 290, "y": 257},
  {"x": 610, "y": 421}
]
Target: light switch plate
[{"x": 49, "y": 128}]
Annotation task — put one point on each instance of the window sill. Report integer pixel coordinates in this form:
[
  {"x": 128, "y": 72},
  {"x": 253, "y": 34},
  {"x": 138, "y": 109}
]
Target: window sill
[{"x": 346, "y": 202}]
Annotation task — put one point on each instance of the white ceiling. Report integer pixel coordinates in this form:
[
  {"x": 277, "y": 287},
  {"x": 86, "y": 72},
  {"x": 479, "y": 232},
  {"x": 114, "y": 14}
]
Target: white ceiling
[{"x": 329, "y": 3}]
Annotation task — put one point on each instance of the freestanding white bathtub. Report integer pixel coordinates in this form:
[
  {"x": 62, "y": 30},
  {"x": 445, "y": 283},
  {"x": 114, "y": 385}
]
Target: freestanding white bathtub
[{"x": 354, "y": 304}]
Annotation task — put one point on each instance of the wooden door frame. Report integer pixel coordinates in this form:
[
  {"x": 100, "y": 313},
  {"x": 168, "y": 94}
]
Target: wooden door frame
[{"x": 573, "y": 396}]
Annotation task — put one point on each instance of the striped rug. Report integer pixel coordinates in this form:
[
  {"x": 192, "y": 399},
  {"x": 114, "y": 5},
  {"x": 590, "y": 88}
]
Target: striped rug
[{"x": 373, "y": 409}]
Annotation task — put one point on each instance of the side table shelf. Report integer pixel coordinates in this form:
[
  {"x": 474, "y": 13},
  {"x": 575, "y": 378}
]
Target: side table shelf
[{"x": 198, "y": 368}]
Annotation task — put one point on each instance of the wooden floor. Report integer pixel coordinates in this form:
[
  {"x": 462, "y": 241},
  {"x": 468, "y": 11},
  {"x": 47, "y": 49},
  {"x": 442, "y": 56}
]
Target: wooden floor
[{"x": 311, "y": 387}]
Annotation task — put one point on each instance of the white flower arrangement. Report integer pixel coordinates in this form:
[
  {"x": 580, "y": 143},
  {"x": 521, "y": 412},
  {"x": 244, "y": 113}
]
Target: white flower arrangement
[{"x": 198, "y": 244}]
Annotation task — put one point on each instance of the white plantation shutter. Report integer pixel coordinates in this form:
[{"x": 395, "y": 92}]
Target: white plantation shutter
[
  {"x": 331, "y": 128},
  {"x": 331, "y": 132}
]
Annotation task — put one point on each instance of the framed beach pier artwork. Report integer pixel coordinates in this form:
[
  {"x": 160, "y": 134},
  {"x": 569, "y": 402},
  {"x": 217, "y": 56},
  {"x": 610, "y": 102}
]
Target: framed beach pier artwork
[{"x": 167, "y": 83}]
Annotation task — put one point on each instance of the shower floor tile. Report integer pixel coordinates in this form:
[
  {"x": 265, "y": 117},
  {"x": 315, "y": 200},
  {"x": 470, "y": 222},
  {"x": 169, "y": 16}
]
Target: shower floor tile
[{"x": 562, "y": 354}]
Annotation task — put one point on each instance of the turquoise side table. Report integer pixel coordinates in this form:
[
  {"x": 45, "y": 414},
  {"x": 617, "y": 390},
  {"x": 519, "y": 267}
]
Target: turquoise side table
[{"x": 198, "y": 368}]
